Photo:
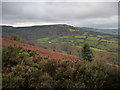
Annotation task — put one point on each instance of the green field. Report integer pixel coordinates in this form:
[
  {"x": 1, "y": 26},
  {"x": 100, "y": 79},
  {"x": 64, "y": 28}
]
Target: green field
[
  {"x": 43, "y": 39},
  {"x": 80, "y": 36},
  {"x": 93, "y": 38},
  {"x": 54, "y": 40},
  {"x": 65, "y": 42},
  {"x": 107, "y": 36},
  {"x": 109, "y": 41},
  {"x": 108, "y": 46},
  {"x": 80, "y": 40},
  {"x": 73, "y": 30},
  {"x": 65, "y": 37},
  {"x": 68, "y": 40},
  {"x": 99, "y": 36},
  {"x": 99, "y": 41},
  {"x": 85, "y": 33},
  {"x": 92, "y": 43},
  {"x": 79, "y": 46},
  {"x": 96, "y": 49}
]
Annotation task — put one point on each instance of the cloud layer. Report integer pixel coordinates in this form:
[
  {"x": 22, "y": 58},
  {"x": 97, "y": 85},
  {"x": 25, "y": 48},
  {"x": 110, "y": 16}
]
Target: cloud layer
[{"x": 92, "y": 14}]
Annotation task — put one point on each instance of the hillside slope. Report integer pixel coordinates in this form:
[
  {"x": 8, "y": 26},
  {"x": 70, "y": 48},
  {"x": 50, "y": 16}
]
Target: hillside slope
[
  {"x": 26, "y": 69},
  {"x": 107, "y": 31},
  {"x": 64, "y": 34},
  {"x": 42, "y": 52},
  {"x": 47, "y": 53}
]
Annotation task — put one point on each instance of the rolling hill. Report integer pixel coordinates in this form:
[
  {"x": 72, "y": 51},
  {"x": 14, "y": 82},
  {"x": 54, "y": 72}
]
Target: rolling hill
[
  {"x": 107, "y": 31},
  {"x": 42, "y": 52},
  {"x": 63, "y": 34},
  {"x": 48, "y": 53}
]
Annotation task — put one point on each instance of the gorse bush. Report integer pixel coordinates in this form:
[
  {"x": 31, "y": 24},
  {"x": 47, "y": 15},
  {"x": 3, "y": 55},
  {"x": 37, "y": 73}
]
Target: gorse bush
[
  {"x": 15, "y": 37},
  {"x": 10, "y": 55},
  {"x": 30, "y": 70}
]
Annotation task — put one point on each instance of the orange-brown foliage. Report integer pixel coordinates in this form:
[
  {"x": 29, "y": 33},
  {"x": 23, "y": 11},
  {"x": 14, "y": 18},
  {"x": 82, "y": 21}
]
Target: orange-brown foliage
[{"x": 42, "y": 52}]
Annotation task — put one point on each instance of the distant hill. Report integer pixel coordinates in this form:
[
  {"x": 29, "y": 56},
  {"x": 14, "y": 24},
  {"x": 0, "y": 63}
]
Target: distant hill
[
  {"x": 65, "y": 34},
  {"x": 107, "y": 31},
  {"x": 34, "y": 32}
]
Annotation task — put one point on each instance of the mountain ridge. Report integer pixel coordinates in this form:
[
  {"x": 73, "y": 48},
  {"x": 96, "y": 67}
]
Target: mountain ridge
[{"x": 106, "y": 31}]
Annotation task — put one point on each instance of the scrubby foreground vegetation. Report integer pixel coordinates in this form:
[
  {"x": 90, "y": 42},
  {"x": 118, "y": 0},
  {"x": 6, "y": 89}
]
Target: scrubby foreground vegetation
[{"x": 26, "y": 69}]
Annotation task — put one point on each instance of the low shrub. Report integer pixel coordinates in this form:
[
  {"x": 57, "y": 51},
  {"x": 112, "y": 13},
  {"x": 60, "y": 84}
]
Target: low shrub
[{"x": 32, "y": 71}]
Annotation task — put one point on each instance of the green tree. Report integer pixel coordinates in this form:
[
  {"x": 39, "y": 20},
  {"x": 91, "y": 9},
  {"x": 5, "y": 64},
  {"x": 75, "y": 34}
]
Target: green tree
[
  {"x": 87, "y": 53},
  {"x": 15, "y": 37}
]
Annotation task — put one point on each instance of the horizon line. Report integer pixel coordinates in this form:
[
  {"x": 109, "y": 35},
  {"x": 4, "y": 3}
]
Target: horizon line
[{"x": 53, "y": 24}]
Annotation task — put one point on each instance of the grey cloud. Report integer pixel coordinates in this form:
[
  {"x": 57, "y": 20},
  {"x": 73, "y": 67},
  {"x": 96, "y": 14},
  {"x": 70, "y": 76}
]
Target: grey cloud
[{"x": 86, "y": 14}]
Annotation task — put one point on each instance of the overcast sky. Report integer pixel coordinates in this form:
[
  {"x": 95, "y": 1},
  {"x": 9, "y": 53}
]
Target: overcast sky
[{"x": 82, "y": 14}]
